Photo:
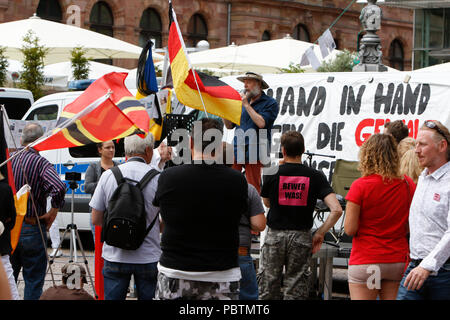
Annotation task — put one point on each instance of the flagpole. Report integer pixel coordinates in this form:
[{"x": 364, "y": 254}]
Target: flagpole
[{"x": 187, "y": 57}]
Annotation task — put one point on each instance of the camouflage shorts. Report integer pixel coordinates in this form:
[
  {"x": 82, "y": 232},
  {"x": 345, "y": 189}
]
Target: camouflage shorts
[
  {"x": 285, "y": 265},
  {"x": 172, "y": 289}
]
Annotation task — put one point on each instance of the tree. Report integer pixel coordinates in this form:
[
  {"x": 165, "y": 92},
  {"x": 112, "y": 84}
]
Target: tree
[
  {"x": 80, "y": 64},
  {"x": 32, "y": 76},
  {"x": 343, "y": 62},
  {"x": 3, "y": 66},
  {"x": 293, "y": 68}
]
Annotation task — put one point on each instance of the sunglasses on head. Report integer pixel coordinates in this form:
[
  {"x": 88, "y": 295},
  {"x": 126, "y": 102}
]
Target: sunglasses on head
[{"x": 433, "y": 125}]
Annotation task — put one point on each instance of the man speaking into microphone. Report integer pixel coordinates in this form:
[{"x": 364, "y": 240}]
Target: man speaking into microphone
[{"x": 259, "y": 112}]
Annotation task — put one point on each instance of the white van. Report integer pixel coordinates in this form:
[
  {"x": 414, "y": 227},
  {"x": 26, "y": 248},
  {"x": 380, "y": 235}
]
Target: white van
[
  {"x": 68, "y": 159},
  {"x": 16, "y": 101}
]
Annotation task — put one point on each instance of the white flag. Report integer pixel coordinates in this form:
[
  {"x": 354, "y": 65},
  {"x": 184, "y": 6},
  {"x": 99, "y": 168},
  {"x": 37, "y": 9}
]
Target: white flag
[
  {"x": 326, "y": 43},
  {"x": 312, "y": 58},
  {"x": 304, "y": 61}
]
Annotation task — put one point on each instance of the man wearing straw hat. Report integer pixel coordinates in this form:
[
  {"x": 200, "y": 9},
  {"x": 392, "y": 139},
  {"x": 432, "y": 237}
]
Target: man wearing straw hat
[{"x": 252, "y": 137}]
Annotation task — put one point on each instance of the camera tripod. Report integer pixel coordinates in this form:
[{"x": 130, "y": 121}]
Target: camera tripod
[{"x": 74, "y": 238}]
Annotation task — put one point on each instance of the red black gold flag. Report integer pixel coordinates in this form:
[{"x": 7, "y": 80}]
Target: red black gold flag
[
  {"x": 198, "y": 90},
  {"x": 105, "y": 111}
]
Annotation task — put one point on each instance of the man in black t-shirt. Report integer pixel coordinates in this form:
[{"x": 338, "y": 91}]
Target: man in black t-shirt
[
  {"x": 201, "y": 206},
  {"x": 291, "y": 195}
]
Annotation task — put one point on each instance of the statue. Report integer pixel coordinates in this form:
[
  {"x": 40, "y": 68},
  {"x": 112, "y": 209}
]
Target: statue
[
  {"x": 371, "y": 16},
  {"x": 370, "y": 54}
]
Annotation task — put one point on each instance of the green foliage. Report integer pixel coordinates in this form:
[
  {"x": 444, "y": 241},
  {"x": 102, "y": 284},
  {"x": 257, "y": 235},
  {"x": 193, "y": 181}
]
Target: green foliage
[
  {"x": 80, "y": 64},
  {"x": 32, "y": 76},
  {"x": 343, "y": 62},
  {"x": 3, "y": 66},
  {"x": 293, "y": 68}
]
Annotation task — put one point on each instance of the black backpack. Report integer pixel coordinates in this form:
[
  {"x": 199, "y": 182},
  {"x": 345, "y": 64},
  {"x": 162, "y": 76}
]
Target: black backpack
[{"x": 125, "y": 218}]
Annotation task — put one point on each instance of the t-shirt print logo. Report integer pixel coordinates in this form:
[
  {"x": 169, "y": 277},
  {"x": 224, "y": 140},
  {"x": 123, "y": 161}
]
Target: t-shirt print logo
[
  {"x": 293, "y": 191},
  {"x": 437, "y": 197}
]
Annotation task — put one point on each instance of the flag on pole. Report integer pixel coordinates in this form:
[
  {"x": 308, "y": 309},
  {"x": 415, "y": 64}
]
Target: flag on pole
[
  {"x": 147, "y": 87},
  {"x": 312, "y": 58},
  {"x": 195, "y": 89},
  {"x": 105, "y": 111},
  {"x": 326, "y": 43}
]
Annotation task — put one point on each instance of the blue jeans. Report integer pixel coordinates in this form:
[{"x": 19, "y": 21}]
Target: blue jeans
[
  {"x": 117, "y": 278},
  {"x": 248, "y": 286},
  {"x": 30, "y": 255},
  {"x": 434, "y": 288}
]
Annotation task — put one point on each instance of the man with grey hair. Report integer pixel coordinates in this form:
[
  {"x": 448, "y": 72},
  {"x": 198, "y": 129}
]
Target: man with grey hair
[
  {"x": 36, "y": 171},
  {"x": 120, "y": 264}
]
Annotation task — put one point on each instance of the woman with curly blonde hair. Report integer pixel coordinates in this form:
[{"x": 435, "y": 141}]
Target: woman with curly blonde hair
[{"x": 377, "y": 217}]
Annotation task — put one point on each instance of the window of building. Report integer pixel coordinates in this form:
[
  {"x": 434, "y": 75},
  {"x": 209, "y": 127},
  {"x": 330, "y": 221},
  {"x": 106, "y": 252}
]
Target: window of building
[
  {"x": 197, "y": 30},
  {"x": 151, "y": 28},
  {"x": 265, "y": 36},
  {"x": 301, "y": 33},
  {"x": 396, "y": 55},
  {"x": 101, "y": 19},
  {"x": 49, "y": 10}
]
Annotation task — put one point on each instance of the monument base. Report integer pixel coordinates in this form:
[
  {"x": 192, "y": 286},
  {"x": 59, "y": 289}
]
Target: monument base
[{"x": 369, "y": 68}]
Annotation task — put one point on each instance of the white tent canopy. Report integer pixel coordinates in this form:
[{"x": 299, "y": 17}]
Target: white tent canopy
[
  {"x": 58, "y": 74},
  {"x": 262, "y": 57},
  {"x": 96, "y": 70},
  {"x": 61, "y": 38}
]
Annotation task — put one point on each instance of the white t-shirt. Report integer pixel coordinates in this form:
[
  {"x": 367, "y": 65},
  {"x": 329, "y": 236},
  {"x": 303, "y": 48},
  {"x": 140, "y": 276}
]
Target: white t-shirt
[
  {"x": 233, "y": 274},
  {"x": 150, "y": 250}
]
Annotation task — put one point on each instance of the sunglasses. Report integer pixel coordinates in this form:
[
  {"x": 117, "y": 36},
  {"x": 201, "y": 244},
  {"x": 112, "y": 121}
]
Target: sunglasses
[{"x": 432, "y": 125}]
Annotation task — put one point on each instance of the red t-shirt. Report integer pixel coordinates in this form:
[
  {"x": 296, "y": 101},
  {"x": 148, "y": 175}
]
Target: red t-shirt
[{"x": 383, "y": 219}]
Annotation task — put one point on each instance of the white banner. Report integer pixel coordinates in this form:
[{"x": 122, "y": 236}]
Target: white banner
[{"x": 337, "y": 112}]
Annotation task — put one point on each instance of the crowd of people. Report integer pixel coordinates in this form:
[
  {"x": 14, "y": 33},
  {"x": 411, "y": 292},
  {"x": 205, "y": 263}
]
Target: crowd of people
[{"x": 199, "y": 216}]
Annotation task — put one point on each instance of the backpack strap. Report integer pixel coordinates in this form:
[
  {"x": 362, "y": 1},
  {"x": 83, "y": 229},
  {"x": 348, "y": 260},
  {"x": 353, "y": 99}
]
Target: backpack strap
[
  {"x": 117, "y": 174},
  {"x": 141, "y": 185},
  {"x": 147, "y": 178}
]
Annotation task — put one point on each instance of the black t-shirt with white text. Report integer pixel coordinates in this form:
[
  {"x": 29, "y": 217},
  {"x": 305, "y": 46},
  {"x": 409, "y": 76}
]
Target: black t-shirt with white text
[{"x": 293, "y": 192}]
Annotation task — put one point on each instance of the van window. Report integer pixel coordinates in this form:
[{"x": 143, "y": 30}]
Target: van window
[
  {"x": 90, "y": 150},
  {"x": 49, "y": 112},
  {"x": 15, "y": 107}
]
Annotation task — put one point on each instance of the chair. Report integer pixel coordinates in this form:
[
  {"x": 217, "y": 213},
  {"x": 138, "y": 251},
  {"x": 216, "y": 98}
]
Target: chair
[{"x": 345, "y": 172}]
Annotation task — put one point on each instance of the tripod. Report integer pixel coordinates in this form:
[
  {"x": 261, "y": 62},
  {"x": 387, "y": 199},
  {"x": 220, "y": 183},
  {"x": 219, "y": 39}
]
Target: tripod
[{"x": 74, "y": 238}]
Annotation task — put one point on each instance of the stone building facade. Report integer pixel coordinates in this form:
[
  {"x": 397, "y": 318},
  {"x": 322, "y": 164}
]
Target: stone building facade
[{"x": 223, "y": 22}]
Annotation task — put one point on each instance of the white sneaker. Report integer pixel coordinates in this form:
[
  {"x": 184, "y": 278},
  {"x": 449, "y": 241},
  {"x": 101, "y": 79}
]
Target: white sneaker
[{"x": 53, "y": 254}]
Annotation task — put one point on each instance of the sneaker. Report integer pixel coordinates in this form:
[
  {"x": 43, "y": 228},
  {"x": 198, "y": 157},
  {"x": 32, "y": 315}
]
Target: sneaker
[{"x": 53, "y": 254}]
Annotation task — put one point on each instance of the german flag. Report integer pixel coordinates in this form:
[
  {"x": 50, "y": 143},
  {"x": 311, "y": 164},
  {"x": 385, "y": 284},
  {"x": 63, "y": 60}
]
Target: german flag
[
  {"x": 105, "y": 111},
  {"x": 195, "y": 89}
]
